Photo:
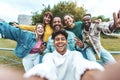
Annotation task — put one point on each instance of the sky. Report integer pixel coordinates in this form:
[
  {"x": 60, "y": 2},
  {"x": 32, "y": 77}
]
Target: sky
[{"x": 10, "y": 9}]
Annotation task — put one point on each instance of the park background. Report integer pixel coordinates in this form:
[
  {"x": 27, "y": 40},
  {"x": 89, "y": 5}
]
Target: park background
[{"x": 111, "y": 43}]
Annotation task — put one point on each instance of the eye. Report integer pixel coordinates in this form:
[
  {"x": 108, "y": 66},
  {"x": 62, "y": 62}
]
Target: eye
[
  {"x": 57, "y": 39},
  {"x": 63, "y": 38}
]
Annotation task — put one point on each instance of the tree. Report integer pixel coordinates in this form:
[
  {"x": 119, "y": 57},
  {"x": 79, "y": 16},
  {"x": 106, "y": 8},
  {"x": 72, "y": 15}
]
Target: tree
[
  {"x": 64, "y": 8},
  {"x": 37, "y": 17},
  {"x": 61, "y": 9},
  {"x": 102, "y": 17}
]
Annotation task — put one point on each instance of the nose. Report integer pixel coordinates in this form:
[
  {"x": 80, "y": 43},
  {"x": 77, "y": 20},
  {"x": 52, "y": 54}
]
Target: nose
[
  {"x": 86, "y": 21},
  {"x": 57, "y": 23}
]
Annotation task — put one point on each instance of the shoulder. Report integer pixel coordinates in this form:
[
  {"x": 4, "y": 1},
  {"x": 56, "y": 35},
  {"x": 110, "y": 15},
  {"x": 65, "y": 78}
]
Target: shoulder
[
  {"x": 76, "y": 53},
  {"x": 78, "y": 22},
  {"x": 48, "y": 55},
  {"x": 70, "y": 33}
]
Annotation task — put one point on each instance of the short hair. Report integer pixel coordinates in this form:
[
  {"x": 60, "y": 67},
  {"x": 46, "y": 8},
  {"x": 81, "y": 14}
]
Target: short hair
[
  {"x": 61, "y": 31},
  {"x": 87, "y": 15}
]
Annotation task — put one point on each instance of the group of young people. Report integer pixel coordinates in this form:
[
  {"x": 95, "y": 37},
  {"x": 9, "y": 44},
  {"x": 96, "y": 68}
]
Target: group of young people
[{"x": 67, "y": 46}]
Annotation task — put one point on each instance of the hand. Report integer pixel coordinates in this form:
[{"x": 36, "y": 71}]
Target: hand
[
  {"x": 38, "y": 72},
  {"x": 116, "y": 19},
  {"x": 79, "y": 42},
  {"x": 42, "y": 48},
  {"x": 35, "y": 78}
]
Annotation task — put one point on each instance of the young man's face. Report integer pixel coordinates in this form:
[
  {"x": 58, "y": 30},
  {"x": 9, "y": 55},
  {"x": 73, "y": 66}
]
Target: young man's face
[
  {"x": 60, "y": 43},
  {"x": 86, "y": 22}
]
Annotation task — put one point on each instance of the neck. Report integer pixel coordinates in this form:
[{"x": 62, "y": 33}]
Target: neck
[
  {"x": 38, "y": 37},
  {"x": 72, "y": 26},
  {"x": 63, "y": 52}
]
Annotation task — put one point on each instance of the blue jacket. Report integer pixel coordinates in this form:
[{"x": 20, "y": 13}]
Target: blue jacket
[{"x": 25, "y": 40}]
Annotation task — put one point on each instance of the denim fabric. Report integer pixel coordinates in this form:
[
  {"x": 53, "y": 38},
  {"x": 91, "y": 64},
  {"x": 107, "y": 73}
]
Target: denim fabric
[
  {"x": 106, "y": 57},
  {"x": 25, "y": 40},
  {"x": 71, "y": 43},
  {"x": 90, "y": 54}
]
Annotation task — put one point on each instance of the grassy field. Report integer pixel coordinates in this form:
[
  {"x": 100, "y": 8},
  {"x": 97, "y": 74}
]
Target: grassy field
[
  {"x": 10, "y": 59},
  {"x": 109, "y": 44},
  {"x": 112, "y": 45}
]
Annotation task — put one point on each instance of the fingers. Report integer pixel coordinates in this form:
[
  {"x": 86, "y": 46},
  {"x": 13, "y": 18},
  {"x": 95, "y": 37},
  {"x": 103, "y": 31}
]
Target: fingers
[
  {"x": 42, "y": 48},
  {"x": 118, "y": 14},
  {"x": 116, "y": 21},
  {"x": 78, "y": 42},
  {"x": 115, "y": 18},
  {"x": 77, "y": 39}
]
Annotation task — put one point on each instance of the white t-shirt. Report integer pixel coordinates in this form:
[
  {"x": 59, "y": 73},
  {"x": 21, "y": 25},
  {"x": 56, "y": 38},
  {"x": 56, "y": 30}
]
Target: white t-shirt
[{"x": 69, "y": 66}]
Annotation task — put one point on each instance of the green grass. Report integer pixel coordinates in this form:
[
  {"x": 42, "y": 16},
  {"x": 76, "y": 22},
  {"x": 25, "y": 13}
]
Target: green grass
[
  {"x": 5, "y": 43},
  {"x": 109, "y": 44}
]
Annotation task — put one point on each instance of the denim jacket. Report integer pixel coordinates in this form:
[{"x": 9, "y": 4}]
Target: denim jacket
[{"x": 25, "y": 40}]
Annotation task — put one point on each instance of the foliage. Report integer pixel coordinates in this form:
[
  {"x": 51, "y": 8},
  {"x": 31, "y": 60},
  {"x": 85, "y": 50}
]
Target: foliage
[
  {"x": 64, "y": 8},
  {"x": 60, "y": 10},
  {"x": 37, "y": 17},
  {"x": 102, "y": 17}
]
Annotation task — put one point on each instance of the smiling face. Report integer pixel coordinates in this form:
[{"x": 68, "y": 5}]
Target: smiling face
[
  {"x": 87, "y": 22},
  {"x": 60, "y": 43},
  {"x": 69, "y": 21},
  {"x": 39, "y": 29},
  {"x": 47, "y": 19},
  {"x": 57, "y": 23}
]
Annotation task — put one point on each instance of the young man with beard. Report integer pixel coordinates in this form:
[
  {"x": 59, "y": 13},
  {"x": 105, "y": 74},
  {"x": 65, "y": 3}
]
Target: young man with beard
[{"x": 63, "y": 64}]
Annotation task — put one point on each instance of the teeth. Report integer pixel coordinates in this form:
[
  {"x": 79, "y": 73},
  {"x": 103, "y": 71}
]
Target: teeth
[{"x": 60, "y": 45}]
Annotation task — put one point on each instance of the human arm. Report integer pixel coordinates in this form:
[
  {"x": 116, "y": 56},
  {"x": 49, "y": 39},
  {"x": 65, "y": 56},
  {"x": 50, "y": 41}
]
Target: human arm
[
  {"x": 46, "y": 69},
  {"x": 116, "y": 24},
  {"x": 42, "y": 48},
  {"x": 111, "y": 73},
  {"x": 27, "y": 27},
  {"x": 50, "y": 46},
  {"x": 9, "y": 31},
  {"x": 79, "y": 43},
  {"x": 82, "y": 65}
]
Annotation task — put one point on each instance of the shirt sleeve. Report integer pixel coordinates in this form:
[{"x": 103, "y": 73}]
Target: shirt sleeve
[
  {"x": 81, "y": 65},
  {"x": 46, "y": 69},
  {"x": 10, "y": 32}
]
